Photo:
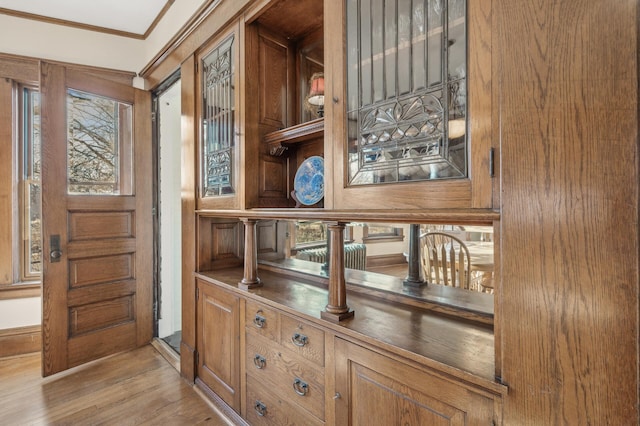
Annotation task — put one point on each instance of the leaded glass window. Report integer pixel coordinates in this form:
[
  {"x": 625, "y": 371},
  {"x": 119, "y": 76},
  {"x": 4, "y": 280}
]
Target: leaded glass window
[
  {"x": 218, "y": 121},
  {"x": 406, "y": 88}
]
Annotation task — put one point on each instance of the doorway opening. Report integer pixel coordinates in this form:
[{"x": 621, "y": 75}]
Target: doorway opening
[{"x": 168, "y": 237}]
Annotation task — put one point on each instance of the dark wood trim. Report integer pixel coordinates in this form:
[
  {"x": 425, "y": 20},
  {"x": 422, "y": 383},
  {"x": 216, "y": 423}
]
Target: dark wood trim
[
  {"x": 20, "y": 340},
  {"x": 25, "y": 70},
  {"x": 188, "y": 201},
  {"x": 20, "y": 291},
  {"x": 433, "y": 216}
]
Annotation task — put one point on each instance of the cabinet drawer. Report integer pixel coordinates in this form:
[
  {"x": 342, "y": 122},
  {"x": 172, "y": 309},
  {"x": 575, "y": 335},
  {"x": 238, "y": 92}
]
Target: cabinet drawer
[
  {"x": 292, "y": 377},
  {"x": 274, "y": 409},
  {"x": 302, "y": 338},
  {"x": 263, "y": 320}
]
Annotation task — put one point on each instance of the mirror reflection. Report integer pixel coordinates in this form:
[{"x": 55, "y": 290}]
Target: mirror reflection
[{"x": 458, "y": 256}]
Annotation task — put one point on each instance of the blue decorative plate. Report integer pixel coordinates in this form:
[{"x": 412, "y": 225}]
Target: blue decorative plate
[{"x": 309, "y": 181}]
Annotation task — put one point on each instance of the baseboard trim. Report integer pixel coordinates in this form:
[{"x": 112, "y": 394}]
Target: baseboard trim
[
  {"x": 218, "y": 404},
  {"x": 167, "y": 352},
  {"x": 20, "y": 341},
  {"x": 385, "y": 260}
]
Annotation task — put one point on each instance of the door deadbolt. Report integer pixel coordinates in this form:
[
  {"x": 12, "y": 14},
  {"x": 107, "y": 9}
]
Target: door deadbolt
[{"x": 54, "y": 244}]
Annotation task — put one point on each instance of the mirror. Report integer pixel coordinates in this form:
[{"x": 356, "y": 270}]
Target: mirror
[{"x": 382, "y": 250}]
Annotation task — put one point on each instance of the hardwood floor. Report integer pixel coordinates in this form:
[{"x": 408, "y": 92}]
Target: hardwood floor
[{"x": 132, "y": 388}]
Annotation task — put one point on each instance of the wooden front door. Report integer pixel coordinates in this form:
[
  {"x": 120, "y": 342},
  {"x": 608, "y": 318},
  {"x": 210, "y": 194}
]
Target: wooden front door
[{"x": 97, "y": 218}]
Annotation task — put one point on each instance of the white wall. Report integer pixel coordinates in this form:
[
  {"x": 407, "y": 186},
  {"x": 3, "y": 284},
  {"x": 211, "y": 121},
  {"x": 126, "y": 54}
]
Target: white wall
[{"x": 20, "y": 312}]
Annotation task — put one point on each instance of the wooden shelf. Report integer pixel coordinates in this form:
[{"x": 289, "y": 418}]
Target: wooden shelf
[{"x": 281, "y": 140}]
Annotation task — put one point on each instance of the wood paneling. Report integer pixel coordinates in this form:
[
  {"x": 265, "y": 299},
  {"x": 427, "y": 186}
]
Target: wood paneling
[
  {"x": 88, "y": 225},
  {"x": 569, "y": 224},
  {"x": 302, "y": 17},
  {"x": 96, "y": 270},
  {"x": 273, "y": 81},
  {"x": 87, "y": 318},
  {"x": 273, "y": 177},
  {"x": 20, "y": 341},
  {"x": 220, "y": 243},
  {"x": 267, "y": 236}
]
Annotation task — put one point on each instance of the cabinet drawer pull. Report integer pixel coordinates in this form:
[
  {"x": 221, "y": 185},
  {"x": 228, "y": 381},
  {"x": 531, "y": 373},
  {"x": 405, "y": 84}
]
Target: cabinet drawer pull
[
  {"x": 259, "y": 320},
  {"x": 300, "y": 387},
  {"x": 259, "y": 361},
  {"x": 260, "y": 408},
  {"x": 299, "y": 339}
]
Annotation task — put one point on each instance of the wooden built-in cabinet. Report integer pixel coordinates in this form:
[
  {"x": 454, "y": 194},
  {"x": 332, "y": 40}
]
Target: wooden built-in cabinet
[
  {"x": 538, "y": 121},
  {"x": 390, "y": 363}
]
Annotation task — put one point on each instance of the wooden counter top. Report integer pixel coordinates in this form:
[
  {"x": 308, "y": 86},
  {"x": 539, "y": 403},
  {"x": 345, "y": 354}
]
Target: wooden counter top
[{"x": 452, "y": 346}]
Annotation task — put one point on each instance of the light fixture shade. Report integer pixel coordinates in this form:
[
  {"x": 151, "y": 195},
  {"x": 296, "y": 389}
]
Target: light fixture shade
[{"x": 316, "y": 89}]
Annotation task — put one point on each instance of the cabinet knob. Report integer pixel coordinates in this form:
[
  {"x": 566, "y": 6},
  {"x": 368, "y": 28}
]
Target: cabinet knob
[
  {"x": 299, "y": 339},
  {"x": 300, "y": 387},
  {"x": 259, "y": 361},
  {"x": 337, "y": 395},
  {"x": 260, "y": 408},
  {"x": 259, "y": 320}
]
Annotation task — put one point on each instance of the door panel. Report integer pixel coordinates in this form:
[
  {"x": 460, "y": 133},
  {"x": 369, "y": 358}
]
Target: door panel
[
  {"x": 96, "y": 174},
  {"x": 218, "y": 342}
]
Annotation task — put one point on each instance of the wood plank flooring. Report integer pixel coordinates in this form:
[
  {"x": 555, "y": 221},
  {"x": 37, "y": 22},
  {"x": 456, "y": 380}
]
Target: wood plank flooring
[{"x": 132, "y": 388}]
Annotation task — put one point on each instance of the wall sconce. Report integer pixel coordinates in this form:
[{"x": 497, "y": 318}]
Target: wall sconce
[{"x": 315, "y": 98}]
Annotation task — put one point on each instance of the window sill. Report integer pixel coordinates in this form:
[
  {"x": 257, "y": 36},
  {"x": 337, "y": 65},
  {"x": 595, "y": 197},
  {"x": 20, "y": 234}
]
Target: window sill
[{"x": 20, "y": 291}]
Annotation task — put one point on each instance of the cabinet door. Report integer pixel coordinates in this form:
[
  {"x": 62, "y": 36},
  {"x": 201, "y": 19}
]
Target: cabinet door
[
  {"x": 377, "y": 390},
  {"x": 410, "y": 117},
  {"x": 219, "y": 148},
  {"x": 219, "y": 342}
]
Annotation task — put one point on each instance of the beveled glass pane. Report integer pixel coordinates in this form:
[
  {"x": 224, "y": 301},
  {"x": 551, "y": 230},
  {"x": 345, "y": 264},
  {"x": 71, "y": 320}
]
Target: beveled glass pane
[
  {"x": 457, "y": 40},
  {"x": 366, "y": 72},
  {"x": 377, "y": 51},
  {"x": 417, "y": 130},
  {"x": 404, "y": 46},
  {"x": 218, "y": 121},
  {"x": 418, "y": 53},
  {"x": 390, "y": 50},
  {"x": 99, "y": 145},
  {"x": 435, "y": 38}
]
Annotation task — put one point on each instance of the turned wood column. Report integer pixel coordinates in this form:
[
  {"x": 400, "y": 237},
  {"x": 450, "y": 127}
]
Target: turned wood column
[
  {"x": 250, "y": 279},
  {"x": 337, "y": 309},
  {"x": 415, "y": 276}
]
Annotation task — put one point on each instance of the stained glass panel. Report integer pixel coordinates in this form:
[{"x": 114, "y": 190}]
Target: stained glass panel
[{"x": 218, "y": 121}]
